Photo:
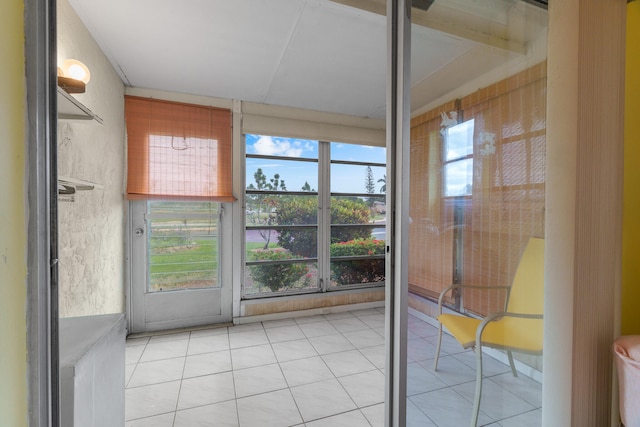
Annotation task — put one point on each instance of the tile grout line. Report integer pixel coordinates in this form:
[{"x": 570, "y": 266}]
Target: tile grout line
[{"x": 175, "y": 412}]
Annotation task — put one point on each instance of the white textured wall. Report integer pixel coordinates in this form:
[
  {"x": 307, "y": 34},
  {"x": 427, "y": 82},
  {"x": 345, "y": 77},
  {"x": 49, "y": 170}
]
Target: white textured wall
[{"x": 92, "y": 228}]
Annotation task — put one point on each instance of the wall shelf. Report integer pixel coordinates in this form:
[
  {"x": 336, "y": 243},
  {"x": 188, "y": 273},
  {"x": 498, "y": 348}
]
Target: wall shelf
[
  {"x": 67, "y": 187},
  {"x": 70, "y": 108},
  {"x": 78, "y": 184}
]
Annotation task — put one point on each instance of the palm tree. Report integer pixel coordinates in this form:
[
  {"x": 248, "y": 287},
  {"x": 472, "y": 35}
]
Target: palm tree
[{"x": 383, "y": 189}]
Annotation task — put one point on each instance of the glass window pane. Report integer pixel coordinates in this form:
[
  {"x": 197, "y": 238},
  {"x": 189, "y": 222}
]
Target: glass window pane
[
  {"x": 276, "y": 209},
  {"x": 357, "y": 240},
  {"x": 268, "y": 174},
  {"x": 281, "y": 233},
  {"x": 294, "y": 242},
  {"x": 357, "y": 272},
  {"x": 183, "y": 245},
  {"x": 358, "y": 179},
  {"x": 358, "y": 153},
  {"x": 264, "y": 145},
  {"x": 268, "y": 278}
]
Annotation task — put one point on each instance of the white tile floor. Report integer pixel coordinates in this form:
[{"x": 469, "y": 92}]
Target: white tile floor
[{"x": 312, "y": 371}]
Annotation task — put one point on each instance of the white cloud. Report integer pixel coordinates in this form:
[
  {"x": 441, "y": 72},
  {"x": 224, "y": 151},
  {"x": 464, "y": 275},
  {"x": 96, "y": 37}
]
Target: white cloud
[{"x": 269, "y": 146}]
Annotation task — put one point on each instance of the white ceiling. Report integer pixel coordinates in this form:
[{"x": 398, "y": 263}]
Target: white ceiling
[{"x": 313, "y": 54}]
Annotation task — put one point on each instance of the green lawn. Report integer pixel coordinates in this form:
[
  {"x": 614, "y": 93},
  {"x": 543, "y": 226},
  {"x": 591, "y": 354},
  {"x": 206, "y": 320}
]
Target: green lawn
[{"x": 177, "y": 262}]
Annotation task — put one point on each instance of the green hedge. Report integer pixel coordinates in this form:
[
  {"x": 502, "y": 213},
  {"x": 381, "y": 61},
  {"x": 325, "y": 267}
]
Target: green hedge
[
  {"x": 304, "y": 211},
  {"x": 276, "y": 276},
  {"x": 358, "y": 271}
]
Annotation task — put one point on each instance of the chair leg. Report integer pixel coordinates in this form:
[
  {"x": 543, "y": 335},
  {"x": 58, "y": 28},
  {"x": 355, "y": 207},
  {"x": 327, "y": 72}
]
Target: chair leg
[
  {"x": 476, "y": 402},
  {"x": 435, "y": 361},
  {"x": 513, "y": 366}
]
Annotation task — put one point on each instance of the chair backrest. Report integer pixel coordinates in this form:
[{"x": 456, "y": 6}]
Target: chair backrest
[{"x": 527, "y": 289}]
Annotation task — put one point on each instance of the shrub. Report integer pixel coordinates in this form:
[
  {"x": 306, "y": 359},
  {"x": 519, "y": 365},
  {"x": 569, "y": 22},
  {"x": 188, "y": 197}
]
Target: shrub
[
  {"x": 298, "y": 211},
  {"x": 304, "y": 211},
  {"x": 358, "y": 271},
  {"x": 276, "y": 276}
]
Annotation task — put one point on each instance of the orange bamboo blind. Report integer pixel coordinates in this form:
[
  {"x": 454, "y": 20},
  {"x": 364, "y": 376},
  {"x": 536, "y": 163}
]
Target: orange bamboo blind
[
  {"x": 178, "y": 151},
  {"x": 506, "y": 206},
  {"x": 431, "y": 242}
]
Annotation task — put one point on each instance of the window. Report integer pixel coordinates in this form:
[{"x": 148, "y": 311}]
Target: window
[
  {"x": 458, "y": 159},
  {"x": 314, "y": 216}
]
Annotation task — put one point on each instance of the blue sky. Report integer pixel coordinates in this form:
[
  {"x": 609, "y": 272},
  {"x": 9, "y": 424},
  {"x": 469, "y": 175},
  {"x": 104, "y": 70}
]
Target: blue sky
[{"x": 344, "y": 178}]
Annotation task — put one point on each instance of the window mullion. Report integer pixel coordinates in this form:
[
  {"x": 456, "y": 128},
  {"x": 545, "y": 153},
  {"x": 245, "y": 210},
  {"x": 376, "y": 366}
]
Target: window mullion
[{"x": 324, "y": 213}]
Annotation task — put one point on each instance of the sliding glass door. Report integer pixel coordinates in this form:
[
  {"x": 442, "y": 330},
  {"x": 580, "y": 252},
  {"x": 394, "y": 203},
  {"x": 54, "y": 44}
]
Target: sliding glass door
[{"x": 476, "y": 153}]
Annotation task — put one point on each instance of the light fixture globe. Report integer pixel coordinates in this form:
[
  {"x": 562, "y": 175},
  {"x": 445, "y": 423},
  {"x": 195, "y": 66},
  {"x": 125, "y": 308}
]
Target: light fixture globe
[
  {"x": 73, "y": 76},
  {"x": 76, "y": 70}
]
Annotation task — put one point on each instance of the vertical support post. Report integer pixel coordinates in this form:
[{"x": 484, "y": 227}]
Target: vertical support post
[
  {"x": 42, "y": 278},
  {"x": 398, "y": 116}
]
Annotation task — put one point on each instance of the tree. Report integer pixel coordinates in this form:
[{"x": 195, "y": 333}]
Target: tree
[
  {"x": 383, "y": 188},
  {"x": 261, "y": 206},
  {"x": 307, "y": 187},
  {"x": 369, "y": 185},
  {"x": 274, "y": 184}
]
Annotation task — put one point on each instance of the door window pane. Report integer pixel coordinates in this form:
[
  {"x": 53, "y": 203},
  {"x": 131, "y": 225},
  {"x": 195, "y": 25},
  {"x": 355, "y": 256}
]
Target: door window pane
[{"x": 183, "y": 245}]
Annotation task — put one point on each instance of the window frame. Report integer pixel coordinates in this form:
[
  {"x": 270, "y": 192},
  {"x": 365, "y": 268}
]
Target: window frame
[{"x": 323, "y": 227}]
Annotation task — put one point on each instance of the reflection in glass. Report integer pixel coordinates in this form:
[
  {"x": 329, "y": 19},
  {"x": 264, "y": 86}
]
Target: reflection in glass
[
  {"x": 458, "y": 141},
  {"x": 458, "y": 178},
  {"x": 476, "y": 191}
]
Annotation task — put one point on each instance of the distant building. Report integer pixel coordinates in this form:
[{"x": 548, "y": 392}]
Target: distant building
[{"x": 379, "y": 207}]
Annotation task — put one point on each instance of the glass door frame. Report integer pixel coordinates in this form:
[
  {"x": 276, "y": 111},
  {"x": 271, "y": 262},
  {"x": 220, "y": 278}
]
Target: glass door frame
[
  {"x": 41, "y": 195},
  {"x": 396, "y": 294}
]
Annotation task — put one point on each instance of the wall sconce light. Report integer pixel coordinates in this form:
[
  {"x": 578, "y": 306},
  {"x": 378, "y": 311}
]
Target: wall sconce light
[{"x": 73, "y": 76}]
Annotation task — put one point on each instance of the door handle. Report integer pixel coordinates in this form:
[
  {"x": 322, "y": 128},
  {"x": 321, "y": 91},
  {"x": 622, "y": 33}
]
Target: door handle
[{"x": 139, "y": 231}]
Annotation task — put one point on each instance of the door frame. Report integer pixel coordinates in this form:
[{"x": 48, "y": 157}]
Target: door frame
[
  {"x": 40, "y": 192},
  {"x": 397, "y": 264},
  {"x": 136, "y": 317}
]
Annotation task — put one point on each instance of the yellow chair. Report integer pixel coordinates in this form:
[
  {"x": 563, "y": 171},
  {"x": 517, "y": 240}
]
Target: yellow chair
[{"x": 517, "y": 328}]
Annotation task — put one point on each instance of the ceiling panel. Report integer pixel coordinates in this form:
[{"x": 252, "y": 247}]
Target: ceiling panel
[
  {"x": 313, "y": 54},
  {"x": 336, "y": 61}
]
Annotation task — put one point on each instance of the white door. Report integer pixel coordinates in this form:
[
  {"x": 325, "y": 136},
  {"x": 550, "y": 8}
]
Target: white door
[{"x": 176, "y": 259}]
